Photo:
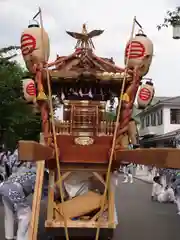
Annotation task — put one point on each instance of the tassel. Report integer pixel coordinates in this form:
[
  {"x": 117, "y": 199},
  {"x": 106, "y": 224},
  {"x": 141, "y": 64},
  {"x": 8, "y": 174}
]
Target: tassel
[
  {"x": 125, "y": 97},
  {"x": 41, "y": 96}
]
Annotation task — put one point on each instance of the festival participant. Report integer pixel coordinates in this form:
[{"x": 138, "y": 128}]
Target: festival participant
[
  {"x": 161, "y": 194},
  {"x": 15, "y": 191},
  {"x": 176, "y": 188},
  {"x": 128, "y": 171},
  {"x": 129, "y": 168}
]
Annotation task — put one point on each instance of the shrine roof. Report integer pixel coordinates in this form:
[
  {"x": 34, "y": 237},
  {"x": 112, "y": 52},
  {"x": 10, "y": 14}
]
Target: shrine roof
[{"x": 85, "y": 62}]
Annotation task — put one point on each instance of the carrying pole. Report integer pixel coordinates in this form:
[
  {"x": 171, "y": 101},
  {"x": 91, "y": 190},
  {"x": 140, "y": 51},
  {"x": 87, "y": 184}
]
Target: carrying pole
[
  {"x": 115, "y": 131},
  {"x": 54, "y": 132}
]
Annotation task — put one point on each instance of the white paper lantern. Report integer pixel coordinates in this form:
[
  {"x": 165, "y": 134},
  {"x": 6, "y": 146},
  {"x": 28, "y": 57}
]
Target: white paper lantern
[
  {"x": 145, "y": 95},
  {"x": 29, "y": 89},
  {"x": 32, "y": 46},
  {"x": 141, "y": 53}
]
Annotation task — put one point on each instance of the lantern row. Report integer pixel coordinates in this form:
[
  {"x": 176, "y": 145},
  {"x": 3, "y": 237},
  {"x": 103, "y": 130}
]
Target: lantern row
[{"x": 35, "y": 47}]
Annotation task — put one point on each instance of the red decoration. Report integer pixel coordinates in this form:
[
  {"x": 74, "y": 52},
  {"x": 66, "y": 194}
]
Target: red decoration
[
  {"x": 137, "y": 50},
  {"x": 28, "y": 44},
  {"x": 30, "y": 89},
  {"x": 144, "y": 94}
]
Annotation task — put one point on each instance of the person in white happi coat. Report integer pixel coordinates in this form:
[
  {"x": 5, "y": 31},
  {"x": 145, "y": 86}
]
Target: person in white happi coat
[
  {"x": 128, "y": 171},
  {"x": 15, "y": 191},
  {"x": 161, "y": 194},
  {"x": 176, "y": 188}
]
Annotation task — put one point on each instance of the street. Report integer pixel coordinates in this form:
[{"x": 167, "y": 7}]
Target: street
[{"x": 139, "y": 218}]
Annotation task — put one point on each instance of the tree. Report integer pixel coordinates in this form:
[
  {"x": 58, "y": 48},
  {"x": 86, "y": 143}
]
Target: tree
[
  {"x": 17, "y": 120},
  {"x": 172, "y": 18}
]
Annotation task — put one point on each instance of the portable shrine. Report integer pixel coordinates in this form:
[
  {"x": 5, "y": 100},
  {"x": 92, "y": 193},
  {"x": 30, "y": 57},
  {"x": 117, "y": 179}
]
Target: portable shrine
[{"x": 85, "y": 140}]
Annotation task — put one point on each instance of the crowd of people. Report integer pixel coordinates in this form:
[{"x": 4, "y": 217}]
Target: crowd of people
[
  {"x": 167, "y": 192},
  {"x": 166, "y": 183},
  {"x": 18, "y": 181},
  {"x": 17, "y": 184}
]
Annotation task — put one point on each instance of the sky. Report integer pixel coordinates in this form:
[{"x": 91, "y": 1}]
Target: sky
[{"x": 113, "y": 16}]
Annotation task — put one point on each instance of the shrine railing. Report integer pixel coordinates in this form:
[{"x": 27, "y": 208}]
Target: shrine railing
[{"x": 105, "y": 128}]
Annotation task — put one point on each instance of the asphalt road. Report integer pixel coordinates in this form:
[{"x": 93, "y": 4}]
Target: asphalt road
[{"x": 139, "y": 218}]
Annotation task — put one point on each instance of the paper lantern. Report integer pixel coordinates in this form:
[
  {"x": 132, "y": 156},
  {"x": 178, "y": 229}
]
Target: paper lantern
[
  {"x": 34, "y": 50},
  {"x": 29, "y": 90},
  {"x": 145, "y": 95},
  {"x": 140, "y": 52}
]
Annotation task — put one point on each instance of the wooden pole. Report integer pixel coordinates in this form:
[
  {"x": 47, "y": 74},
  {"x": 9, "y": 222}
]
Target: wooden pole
[
  {"x": 33, "y": 228},
  {"x": 54, "y": 129},
  {"x": 115, "y": 132}
]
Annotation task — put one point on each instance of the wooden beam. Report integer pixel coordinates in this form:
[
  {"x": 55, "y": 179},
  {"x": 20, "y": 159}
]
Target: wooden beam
[
  {"x": 160, "y": 157},
  {"x": 33, "y": 228},
  {"x": 77, "y": 224},
  {"x": 81, "y": 167},
  {"x": 34, "y": 151},
  {"x": 56, "y": 74},
  {"x": 99, "y": 177}
]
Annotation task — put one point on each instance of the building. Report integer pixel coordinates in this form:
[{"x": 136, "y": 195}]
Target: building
[{"x": 160, "y": 122}]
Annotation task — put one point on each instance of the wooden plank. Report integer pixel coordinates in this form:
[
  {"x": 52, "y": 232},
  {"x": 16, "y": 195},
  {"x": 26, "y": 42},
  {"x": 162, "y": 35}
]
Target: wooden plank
[
  {"x": 33, "y": 228},
  {"x": 78, "y": 224},
  {"x": 63, "y": 177},
  {"x": 34, "y": 151},
  {"x": 160, "y": 157},
  {"x": 66, "y": 167},
  {"x": 61, "y": 74},
  {"x": 99, "y": 177},
  {"x": 95, "y": 217}
]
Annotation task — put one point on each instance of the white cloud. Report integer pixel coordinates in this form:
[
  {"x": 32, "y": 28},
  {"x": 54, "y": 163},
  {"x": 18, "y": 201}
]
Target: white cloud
[{"x": 114, "y": 16}]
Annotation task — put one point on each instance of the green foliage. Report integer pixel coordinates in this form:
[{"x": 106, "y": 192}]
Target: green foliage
[
  {"x": 172, "y": 18},
  {"x": 17, "y": 120}
]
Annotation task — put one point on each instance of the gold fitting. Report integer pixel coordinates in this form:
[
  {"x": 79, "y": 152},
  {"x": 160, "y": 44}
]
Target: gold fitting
[
  {"x": 125, "y": 97},
  {"x": 41, "y": 96}
]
